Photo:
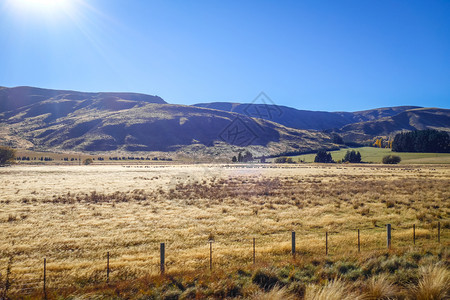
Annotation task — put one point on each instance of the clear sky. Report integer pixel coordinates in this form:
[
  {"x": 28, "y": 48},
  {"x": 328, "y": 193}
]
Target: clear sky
[{"x": 316, "y": 55}]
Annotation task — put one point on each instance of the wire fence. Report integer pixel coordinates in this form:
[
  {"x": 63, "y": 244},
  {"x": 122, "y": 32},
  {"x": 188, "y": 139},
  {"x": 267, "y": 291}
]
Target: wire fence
[{"x": 215, "y": 255}]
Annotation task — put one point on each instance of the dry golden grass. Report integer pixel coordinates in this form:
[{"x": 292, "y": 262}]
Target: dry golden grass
[
  {"x": 274, "y": 294},
  {"x": 74, "y": 215},
  {"x": 434, "y": 284},
  {"x": 380, "y": 288},
  {"x": 334, "y": 290}
]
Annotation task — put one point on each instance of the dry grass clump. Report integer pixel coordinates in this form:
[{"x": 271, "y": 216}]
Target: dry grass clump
[
  {"x": 334, "y": 290},
  {"x": 380, "y": 288},
  {"x": 434, "y": 284},
  {"x": 276, "y": 293}
]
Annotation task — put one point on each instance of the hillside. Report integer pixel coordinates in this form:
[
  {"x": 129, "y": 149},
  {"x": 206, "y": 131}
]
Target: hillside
[
  {"x": 62, "y": 120},
  {"x": 305, "y": 119},
  {"x": 58, "y": 120},
  {"x": 413, "y": 119},
  {"x": 359, "y": 126},
  {"x": 19, "y": 97}
]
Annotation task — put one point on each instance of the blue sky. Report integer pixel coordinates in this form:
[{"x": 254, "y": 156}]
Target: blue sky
[{"x": 316, "y": 55}]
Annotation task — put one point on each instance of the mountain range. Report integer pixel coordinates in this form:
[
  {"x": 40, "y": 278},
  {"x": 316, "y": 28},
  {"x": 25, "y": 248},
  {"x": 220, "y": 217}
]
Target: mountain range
[{"x": 58, "y": 120}]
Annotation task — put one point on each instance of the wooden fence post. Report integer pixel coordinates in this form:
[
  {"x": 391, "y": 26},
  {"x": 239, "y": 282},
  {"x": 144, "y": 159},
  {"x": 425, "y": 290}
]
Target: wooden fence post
[
  {"x": 359, "y": 243},
  {"x": 293, "y": 244},
  {"x": 107, "y": 266},
  {"x": 210, "y": 255},
  {"x": 45, "y": 277},
  {"x": 414, "y": 233},
  {"x": 388, "y": 233},
  {"x": 254, "y": 255},
  {"x": 439, "y": 232},
  {"x": 162, "y": 250},
  {"x": 326, "y": 243}
]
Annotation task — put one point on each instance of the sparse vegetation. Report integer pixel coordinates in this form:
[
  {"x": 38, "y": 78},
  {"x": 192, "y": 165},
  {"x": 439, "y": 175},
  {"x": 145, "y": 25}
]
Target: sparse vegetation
[{"x": 283, "y": 160}]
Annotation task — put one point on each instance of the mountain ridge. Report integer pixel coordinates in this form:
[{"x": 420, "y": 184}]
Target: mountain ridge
[
  {"x": 306, "y": 119},
  {"x": 113, "y": 121},
  {"x": 67, "y": 121}
]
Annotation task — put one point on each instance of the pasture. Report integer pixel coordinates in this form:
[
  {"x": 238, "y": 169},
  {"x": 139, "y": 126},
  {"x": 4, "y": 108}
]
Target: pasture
[
  {"x": 375, "y": 155},
  {"x": 74, "y": 215}
]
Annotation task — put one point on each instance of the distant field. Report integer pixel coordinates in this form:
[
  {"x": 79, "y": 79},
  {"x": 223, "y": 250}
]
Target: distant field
[{"x": 375, "y": 155}]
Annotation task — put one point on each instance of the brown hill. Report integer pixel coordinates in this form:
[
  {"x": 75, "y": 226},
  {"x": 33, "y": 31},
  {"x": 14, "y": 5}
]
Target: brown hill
[
  {"x": 62, "y": 120},
  {"x": 305, "y": 119},
  {"x": 413, "y": 119},
  {"x": 359, "y": 126}
]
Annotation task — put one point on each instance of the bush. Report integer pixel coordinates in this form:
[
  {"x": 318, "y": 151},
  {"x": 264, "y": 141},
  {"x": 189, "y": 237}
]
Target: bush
[
  {"x": 7, "y": 155},
  {"x": 323, "y": 156},
  {"x": 434, "y": 284},
  {"x": 88, "y": 161},
  {"x": 265, "y": 279},
  {"x": 391, "y": 159},
  {"x": 284, "y": 160},
  {"x": 352, "y": 157}
]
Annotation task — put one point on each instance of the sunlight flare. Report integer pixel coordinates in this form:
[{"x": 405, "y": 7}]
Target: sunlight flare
[{"x": 42, "y": 6}]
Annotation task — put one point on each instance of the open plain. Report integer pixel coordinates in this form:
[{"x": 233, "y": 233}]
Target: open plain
[{"x": 74, "y": 215}]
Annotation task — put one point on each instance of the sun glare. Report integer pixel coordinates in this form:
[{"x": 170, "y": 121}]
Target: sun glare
[{"x": 42, "y": 6}]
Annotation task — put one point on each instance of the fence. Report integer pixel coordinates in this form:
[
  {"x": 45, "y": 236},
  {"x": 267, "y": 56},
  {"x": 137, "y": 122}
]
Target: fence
[{"x": 29, "y": 283}]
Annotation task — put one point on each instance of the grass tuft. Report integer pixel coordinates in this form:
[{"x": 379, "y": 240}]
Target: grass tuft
[{"x": 434, "y": 284}]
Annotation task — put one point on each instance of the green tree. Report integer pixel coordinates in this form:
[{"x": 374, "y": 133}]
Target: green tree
[
  {"x": 7, "y": 155},
  {"x": 239, "y": 158},
  {"x": 248, "y": 157},
  {"x": 352, "y": 157},
  {"x": 234, "y": 159},
  {"x": 323, "y": 156},
  {"x": 431, "y": 141}
]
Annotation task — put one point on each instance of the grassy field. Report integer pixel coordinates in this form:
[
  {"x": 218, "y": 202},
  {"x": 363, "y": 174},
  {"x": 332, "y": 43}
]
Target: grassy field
[
  {"x": 74, "y": 215},
  {"x": 375, "y": 155}
]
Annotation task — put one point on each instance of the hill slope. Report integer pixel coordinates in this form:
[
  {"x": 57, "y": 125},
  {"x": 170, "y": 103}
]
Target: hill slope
[
  {"x": 360, "y": 126},
  {"x": 413, "y": 119},
  {"x": 62, "y": 120},
  {"x": 305, "y": 119}
]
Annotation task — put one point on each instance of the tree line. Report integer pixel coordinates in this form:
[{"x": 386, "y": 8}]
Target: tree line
[{"x": 431, "y": 141}]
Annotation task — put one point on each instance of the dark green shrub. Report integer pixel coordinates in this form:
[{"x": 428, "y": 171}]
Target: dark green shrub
[
  {"x": 392, "y": 264},
  {"x": 88, "y": 161},
  {"x": 7, "y": 155},
  {"x": 352, "y": 157},
  {"x": 391, "y": 159},
  {"x": 323, "y": 156},
  {"x": 265, "y": 279}
]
